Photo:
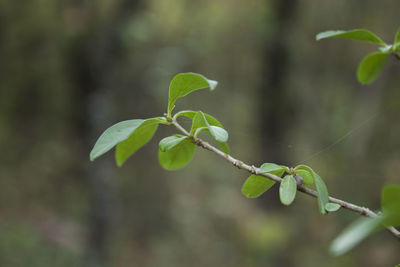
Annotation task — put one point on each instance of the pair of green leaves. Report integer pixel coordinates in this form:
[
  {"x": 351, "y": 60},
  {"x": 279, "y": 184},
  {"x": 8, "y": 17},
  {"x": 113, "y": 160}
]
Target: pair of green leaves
[
  {"x": 256, "y": 185},
  {"x": 365, "y": 226},
  {"x": 128, "y": 137},
  {"x": 323, "y": 196},
  {"x": 372, "y": 65},
  {"x": 174, "y": 151}
]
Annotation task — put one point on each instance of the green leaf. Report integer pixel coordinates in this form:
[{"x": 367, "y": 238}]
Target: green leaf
[
  {"x": 171, "y": 141},
  {"x": 397, "y": 38},
  {"x": 138, "y": 138},
  {"x": 358, "y": 34},
  {"x": 323, "y": 196},
  {"x": 199, "y": 121},
  {"x": 331, "y": 207},
  {"x": 390, "y": 204},
  {"x": 287, "y": 190},
  {"x": 272, "y": 168},
  {"x": 185, "y": 83},
  {"x": 118, "y": 133},
  {"x": 370, "y": 67},
  {"x": 354, "y": 234},
  {"x": 200, "y": 124},
  {"x": 308, "y": 178},
  {"x": 219, "y": 134},
  {"x": 211, "y": 121},
  {"x": 178, "y": 156},
  {"x": 112, "y": 136},
  {"x": 256, "y": 185}
]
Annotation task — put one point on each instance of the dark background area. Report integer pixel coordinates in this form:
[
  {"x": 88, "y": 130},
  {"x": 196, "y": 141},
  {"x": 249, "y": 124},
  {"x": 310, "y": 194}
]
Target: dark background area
[{"x": 71, "y": 68}]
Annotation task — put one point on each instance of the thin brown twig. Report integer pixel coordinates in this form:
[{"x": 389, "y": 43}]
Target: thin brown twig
[{"x": 254, "y": 170}]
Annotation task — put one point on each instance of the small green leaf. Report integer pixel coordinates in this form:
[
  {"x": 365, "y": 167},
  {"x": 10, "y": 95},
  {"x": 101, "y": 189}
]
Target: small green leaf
[
  {"x": 171, "y": 141},
  {"x": 138, "y": 138},
  {"x": 185, "y": 83},
  {"x": 272, "y": 168},
  {"x": 308, "y": 178},
  {"x": 200, "y": 124},
  {"x": 287, "y": 190},
  {"x": 370, "y": 67},
  {"x": 211, "y": 121},
  {"x": 219, "y": 134},
  {"x": 397, "y": 38},
  {"x": 178, "y": 156},
  {"x": 323, "y": 196},
  {"x": 331, "y": 207},
  {"x": 390, "y": 204},
  {"x": 354, "y": 234},
  {"x": 256, "y": 185},
  {"x": 358, "y": 34}
]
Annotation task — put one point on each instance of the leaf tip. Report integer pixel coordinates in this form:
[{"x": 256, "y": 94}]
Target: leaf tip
[
  {"x": 213, "y": 84},
  {"x": 92, "y": 157}
]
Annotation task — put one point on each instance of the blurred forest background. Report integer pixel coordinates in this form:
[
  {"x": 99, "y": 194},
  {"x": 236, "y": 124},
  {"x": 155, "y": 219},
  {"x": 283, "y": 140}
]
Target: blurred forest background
[{"x": 71, "y": 68}]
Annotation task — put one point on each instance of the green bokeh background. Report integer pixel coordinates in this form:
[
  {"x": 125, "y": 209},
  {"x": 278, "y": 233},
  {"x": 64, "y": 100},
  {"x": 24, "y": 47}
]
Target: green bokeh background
[{"x": 71, "y": 68}]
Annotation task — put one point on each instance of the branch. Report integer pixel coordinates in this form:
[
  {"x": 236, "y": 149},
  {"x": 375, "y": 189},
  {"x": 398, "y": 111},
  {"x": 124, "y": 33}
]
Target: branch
[{"x": 254, "y": 170}]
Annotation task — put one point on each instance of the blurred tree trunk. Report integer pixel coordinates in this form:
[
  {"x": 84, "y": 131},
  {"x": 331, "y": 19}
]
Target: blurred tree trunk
[
  {"x": 275, "y": 104},
  {"x": 275, "y": 100},
  {"x": 95, "y": 57}
]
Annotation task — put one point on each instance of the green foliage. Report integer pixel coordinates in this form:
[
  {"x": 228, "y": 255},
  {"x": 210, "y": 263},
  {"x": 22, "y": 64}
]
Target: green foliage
[
  {"x": 372, "y": 65},
  {"x": 354, "y": 234},
  {"x": 185, "y": 83},
  {"x": 178, "y": 156},
  {"x": 397, "y": 38},
  {"x": 211, "y": 121},
  {"x": 138, "y": 138},
  {"x": 358, "y": 34},
  {"x": 176, "y": 151},
  {"x": 363, "y": 227},
  {"x": 331, "y": 207},
  {"x": 256, "y": 185},
  {"x": 390, "y": 204},
  {"x": 113, "y": 135},
  {"x": 273, "y": 168},
  {"x": 200, "y": 124},
  {"x": 287, "y": 190},
  {"x": 323, "y": 196},
  {"x": 123, "y": 131},
  {"x": 170, "y": 142}
]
